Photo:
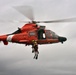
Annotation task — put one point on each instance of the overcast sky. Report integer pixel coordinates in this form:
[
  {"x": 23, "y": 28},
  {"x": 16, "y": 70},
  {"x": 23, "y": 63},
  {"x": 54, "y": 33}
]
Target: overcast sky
[{"x": 55, "y": 59}]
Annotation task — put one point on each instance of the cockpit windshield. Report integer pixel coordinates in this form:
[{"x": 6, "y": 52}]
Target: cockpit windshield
[
  {"x": 51, "y": 34},
  {"x": 54, "y": 35}
]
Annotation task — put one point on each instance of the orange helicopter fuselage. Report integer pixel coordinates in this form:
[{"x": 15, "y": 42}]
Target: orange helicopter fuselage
[{"x": 30, "y": 32}]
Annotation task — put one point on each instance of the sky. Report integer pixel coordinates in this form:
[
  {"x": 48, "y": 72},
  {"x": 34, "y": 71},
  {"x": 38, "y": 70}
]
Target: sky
[{"x": 54, "y": 59}]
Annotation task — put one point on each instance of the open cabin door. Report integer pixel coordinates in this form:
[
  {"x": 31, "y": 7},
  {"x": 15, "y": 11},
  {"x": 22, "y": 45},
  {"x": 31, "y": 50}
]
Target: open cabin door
[
  {"x": 44, "y": 34},
  {"x": 41, "y": 34}
]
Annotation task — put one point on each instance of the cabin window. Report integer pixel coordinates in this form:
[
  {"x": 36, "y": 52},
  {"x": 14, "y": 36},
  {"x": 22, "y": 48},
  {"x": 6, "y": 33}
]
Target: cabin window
[{"x": 32, "y": 33}]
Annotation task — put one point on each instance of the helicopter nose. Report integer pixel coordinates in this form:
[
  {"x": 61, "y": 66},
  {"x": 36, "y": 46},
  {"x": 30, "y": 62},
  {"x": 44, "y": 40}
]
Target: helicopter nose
[{"x": 62, "y": 39}]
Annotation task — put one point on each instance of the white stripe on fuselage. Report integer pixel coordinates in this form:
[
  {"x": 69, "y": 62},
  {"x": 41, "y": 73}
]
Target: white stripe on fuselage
[{"x": 9, "y": 38}]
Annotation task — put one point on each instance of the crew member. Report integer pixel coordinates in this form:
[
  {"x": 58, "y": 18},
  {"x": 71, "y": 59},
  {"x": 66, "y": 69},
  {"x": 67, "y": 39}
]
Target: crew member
[
  {"x": 33, "y": 41},
  {"x": 35, "y": 49}
]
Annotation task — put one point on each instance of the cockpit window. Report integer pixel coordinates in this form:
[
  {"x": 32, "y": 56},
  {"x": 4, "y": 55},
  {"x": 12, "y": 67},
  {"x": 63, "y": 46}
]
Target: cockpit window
[
  {"x": 51, "y": 34},
  {"x": 54, "y": 35},
  {"x": 48, "y": 35}
]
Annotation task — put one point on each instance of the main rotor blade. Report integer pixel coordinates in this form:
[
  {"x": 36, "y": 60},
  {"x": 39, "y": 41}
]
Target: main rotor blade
[
  {"x": 52, "y": 21},
  {"x": 27, "y": 11},
  {"x": 58, "y": 21},
  {"x": 11, "y": 21}
]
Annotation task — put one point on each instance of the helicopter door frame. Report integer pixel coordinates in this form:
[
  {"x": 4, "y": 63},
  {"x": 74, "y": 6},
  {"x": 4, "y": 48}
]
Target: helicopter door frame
[{"x": 41, "y": 34}]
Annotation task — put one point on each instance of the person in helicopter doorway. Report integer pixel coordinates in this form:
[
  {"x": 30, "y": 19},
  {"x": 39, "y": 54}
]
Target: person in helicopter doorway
[{"x": 35, "y": 49}]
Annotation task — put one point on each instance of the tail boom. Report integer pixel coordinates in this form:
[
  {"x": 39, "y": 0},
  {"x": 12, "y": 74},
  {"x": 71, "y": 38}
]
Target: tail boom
[{"x": 4, "y": 39}]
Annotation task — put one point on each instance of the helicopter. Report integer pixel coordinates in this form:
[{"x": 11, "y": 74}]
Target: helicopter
[{"x": 31, "y": 31}]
